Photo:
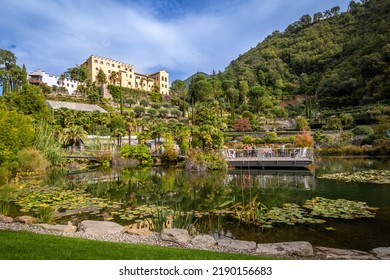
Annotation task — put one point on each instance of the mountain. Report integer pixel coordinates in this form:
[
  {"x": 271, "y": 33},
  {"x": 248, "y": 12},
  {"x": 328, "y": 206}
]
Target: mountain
[{"x": 337, "y": 59}]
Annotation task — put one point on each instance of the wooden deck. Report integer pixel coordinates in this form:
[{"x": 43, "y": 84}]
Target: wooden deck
[{"x": 297, "y": 158}]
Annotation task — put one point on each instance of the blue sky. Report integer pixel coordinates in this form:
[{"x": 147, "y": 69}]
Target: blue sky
[{"x": 181, "y": 36}]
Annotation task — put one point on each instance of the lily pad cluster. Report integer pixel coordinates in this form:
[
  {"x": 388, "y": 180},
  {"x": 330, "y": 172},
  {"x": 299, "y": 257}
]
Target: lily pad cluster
[
  {"x": 339, "y": 208},
  {"x": 289, "y": 214},
  {"x": 62, "y": 201},
  {"x": 312, "y": 212},
  {"x": 368, "y": 176}
]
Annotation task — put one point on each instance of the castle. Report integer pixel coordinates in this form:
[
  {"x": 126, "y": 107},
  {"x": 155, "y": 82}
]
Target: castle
[{"x": 117, "y": 73}]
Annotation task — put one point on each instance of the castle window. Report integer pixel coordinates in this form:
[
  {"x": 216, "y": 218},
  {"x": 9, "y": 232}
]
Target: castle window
[
  {"x": 107, "y": 64},
  {"x": 95, "y": 61},
  {"x": 113, "y": 65},
  {"x": 101, "y": 62}
]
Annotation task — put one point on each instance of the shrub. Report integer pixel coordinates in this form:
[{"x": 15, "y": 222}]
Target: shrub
[
  {"x": 301, "y": 123},
  {"x": 105, "y": 159},
  {"x": 3, "y": 176},
  {"x": 242, "y": 125},
  {"x": 139, "y": 152},
  {"x": 169, "y": 156},
  {"x": 304, "y": 140},
  {"x": 247, "y": 139},
  {"x": 32, "y": 160},
  {"x": 363, "y": 130},
  {"x": 202, "y": 161}
]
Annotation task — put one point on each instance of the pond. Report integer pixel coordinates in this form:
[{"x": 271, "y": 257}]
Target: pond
[{"x": 208, "y": 200}]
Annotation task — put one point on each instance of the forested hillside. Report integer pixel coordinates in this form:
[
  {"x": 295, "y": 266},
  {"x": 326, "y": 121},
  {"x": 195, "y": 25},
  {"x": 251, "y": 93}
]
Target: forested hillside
[{"x": 334, "y": 59}]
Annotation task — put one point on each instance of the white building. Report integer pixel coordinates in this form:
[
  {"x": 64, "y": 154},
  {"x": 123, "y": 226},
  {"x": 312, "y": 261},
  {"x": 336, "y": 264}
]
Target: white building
[{"x": 39, "y": 76}]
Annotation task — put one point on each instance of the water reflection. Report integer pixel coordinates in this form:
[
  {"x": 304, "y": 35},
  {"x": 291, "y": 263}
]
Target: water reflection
[{"x": 296, "y": 179}]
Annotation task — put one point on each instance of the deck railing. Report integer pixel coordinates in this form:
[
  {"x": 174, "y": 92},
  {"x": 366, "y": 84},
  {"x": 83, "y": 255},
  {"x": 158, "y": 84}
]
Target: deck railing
[{"x": 269, "y": 153}]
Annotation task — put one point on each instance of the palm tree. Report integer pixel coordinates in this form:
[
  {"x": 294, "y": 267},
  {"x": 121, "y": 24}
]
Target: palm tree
[
  {"x": 113, "y": 77},
  {"x": 72, "y": 135},
  {"x": 118, "y": 134}
]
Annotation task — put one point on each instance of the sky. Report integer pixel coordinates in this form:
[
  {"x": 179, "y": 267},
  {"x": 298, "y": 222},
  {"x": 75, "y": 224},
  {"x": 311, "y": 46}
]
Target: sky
[{"x": 181, "y": 36}]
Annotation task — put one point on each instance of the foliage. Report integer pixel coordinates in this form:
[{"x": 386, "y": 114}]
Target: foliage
[
  {"x": 242, "y": 125},
  {"x": 363, "y": 130},
  {"x": 198, "y": 160},
  {"x": 368, "y": 176},
  {"x": 342, "y": 58},
  {"x": 32, "y": 160},
  {"x": 304, "y": 139},
  {"x": 247, "y": 139},
  {"x": 139, "y": 152},
  {"x": 333, "y": 123},
  {"x": 105, "y": 159},
  {"x": 73, "y": 135},
  {"x": 46, "y": 142},
  {"x": 16, "y": 133},
  {"x": 301, "y": 123},
  {"x": 169, "y": 156}
]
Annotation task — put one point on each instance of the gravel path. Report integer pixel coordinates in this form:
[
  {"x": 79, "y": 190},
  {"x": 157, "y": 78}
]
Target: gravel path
[{"x": 123, "y": 238}]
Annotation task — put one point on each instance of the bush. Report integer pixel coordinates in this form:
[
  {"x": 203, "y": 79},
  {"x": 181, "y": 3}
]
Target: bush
[
  {"x": 32, "y": 160},
  {"x": 247, "y": 139},
  {"x": 3, "y": 176},
  {"x": 202, "y": 161},
  {"x": 139, "y": 152},
  {"x": 169, "y": 156},
  {"x": 363, "y": 130},
  {"x": 105, "y": 159},
  {"x": 304, "y": 140}
]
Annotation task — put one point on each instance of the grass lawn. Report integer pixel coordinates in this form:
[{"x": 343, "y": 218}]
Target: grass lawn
[{"x": 22, "y": 245}]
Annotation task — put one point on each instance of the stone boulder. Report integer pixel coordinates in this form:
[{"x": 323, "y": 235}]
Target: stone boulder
[
  {"x": 6, "y": 219},
  {"x": 342, "y": 254},
  {"x": 69, "y": 228},
  {"x": 100, "y": 227},
  {"x": 176, "y": 235},
  {"x": 204, "y": 241},
  {"x": 295, "y": 248},
  {"x": 28, "y": 220},
  {"x": 138, "y": 231},
  {"x": 237, "y": 244},
  {"x": 382, "y": 253}
]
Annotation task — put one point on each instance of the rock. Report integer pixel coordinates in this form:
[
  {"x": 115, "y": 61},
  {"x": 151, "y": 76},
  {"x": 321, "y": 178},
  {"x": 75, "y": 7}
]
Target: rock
[
  {"x": 6, "y": 219},
  {"x": 382, "y": 253},
  {"x": 204, "y": 241},
  {"x": 28, "y": 220},
  {"x": 237, "y": 244},
  {"x": 176, "y": 235},
  {"x": 138, "y": 231},
  {"x": 342, "y": 254},
  {"x": 295, "y": 248},
  {"x": 100, "y": 227},
  {"x": 61, "y": 228}
]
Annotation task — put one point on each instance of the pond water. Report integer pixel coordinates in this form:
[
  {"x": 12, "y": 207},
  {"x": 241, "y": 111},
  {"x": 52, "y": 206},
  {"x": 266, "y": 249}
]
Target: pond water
[{"x": 128, "y": 189}]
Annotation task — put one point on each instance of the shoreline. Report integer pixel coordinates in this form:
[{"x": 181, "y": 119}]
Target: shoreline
[{"x": 320, "y": 253}]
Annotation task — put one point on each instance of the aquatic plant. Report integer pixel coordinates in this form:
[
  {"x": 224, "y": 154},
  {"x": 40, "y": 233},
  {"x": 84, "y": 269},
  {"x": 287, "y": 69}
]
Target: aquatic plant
[
  {"x": 339, "y": 208},
  {"x": 368, "y": 176}
]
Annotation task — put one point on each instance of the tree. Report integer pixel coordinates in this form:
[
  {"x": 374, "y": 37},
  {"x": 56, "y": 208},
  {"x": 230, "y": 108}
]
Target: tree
[
  {"x": 304, "y": 139},
  {"x": 16, "y": 133},
  {"x": 101, "y": 77},
  {"x": 179, "y": 92},
  {"x": 73, "y": 135},
  {"x": 77, "y": 73},
  {"x": 242, "y": 125},
  {"x": 10, "y": 73}
]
